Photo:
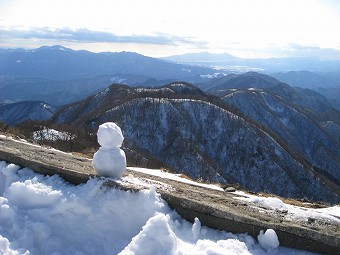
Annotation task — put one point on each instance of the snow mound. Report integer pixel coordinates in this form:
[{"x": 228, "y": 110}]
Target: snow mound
[
  {"x": 268, "y": 240},
  {"x": 270, "y": 202},
  {"x": 36, "y": 194},
  {"x": 222, "y": 247},
  {"x": 163, "y": 240}
]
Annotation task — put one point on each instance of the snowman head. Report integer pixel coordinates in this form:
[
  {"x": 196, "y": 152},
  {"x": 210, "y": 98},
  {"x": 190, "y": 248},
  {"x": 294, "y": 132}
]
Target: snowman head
[{"x": 110, "y": 135}]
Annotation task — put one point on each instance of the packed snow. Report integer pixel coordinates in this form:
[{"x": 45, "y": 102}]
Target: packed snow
[
  {"x": 110, "y": 160},
  {"x": 110, "y": 135},
  {"x": 268, "y": 240},
  {"x": 45, "y": 215}
]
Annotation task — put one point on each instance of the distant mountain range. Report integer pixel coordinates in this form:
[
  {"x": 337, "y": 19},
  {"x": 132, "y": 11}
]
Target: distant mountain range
[
  {"x": 306, "y": 79},
  {"x": 60, "y": 63},
  {"x": 327, "y": 83},
  {"x": 58, "y": 75},
  {"x": 332, "y": 94},
  {"x": 241, "y": 81},
  {"x": 228, "y": 62}
]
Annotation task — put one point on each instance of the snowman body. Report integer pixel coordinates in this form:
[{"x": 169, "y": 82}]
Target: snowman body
[{"x": 110, "y": 160}]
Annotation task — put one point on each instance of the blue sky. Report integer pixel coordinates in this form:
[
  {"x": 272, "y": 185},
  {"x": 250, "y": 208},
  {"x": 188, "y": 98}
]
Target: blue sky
[{"x": 245, "y": 28}]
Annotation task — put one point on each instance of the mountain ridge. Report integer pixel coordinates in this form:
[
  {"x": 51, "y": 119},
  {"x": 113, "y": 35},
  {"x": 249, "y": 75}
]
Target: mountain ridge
[
  {"x": 213, "y": 141},
  {"x": 60, "y": 63}
]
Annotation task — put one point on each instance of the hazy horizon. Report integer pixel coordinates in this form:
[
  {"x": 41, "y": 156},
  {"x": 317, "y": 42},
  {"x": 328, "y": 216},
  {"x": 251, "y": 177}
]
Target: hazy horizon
[{"x": 245, "y": 29}]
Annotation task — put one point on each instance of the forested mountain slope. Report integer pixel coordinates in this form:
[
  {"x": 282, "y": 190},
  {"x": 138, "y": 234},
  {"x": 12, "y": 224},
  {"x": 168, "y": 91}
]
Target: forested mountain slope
[
  {"x": 27, "y": 110},
  {"x": 200, "y": 135}
]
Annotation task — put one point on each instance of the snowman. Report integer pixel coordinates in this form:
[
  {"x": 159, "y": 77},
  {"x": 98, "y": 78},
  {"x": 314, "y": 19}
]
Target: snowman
[{"x": 110, "y": 160}]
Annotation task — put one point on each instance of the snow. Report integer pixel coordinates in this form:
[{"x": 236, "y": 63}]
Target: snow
[
  {"x": 333, "y": 211},
  {"x": 45, "y": 215},
  {"x": 37, "y": 194},
  {"x": 175, "y": 177},
  {"x": 196, "y": 228},
  {"x": 118, "y": 79},
  {"x": 268, "y": 240},
  {"x": 165, "y": 90},
  {"x": 330, "y": 214},
  {"x": 213, "y": 75},
  {"x": 110, "y": 135},
  {"x": 110, "y": 160},
  {"x": 23, "y": 141},
  {"x": 238, "y": 69},
  {"x": 164, "y": 240},
  {"x": 51, "y": 135},
  {"x": 46, "y": 106}
]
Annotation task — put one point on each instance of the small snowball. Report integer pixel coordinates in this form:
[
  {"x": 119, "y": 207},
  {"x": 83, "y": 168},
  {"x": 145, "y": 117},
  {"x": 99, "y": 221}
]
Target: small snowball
[
  {"x": 110, "y": 135},
  {"x": 268, "y": 240},
  {"x": 110, "y": 162},
  {"x": 196, "y": 229}
]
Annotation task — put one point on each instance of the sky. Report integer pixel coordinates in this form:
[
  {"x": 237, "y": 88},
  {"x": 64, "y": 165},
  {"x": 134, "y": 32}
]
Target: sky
[{"x": 244, "y": 28}]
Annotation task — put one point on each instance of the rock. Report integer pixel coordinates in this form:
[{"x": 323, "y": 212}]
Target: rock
[{"x": 230, "y": 189}]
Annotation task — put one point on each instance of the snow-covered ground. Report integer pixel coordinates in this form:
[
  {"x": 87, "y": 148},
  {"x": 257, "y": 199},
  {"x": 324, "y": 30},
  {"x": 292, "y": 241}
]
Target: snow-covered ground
[
  {"x": 331, "y": 214},
  {"x": 45, "y": 215},
  {"x": 175, "y": 177},
  {"x": 297, "y": 213}
]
